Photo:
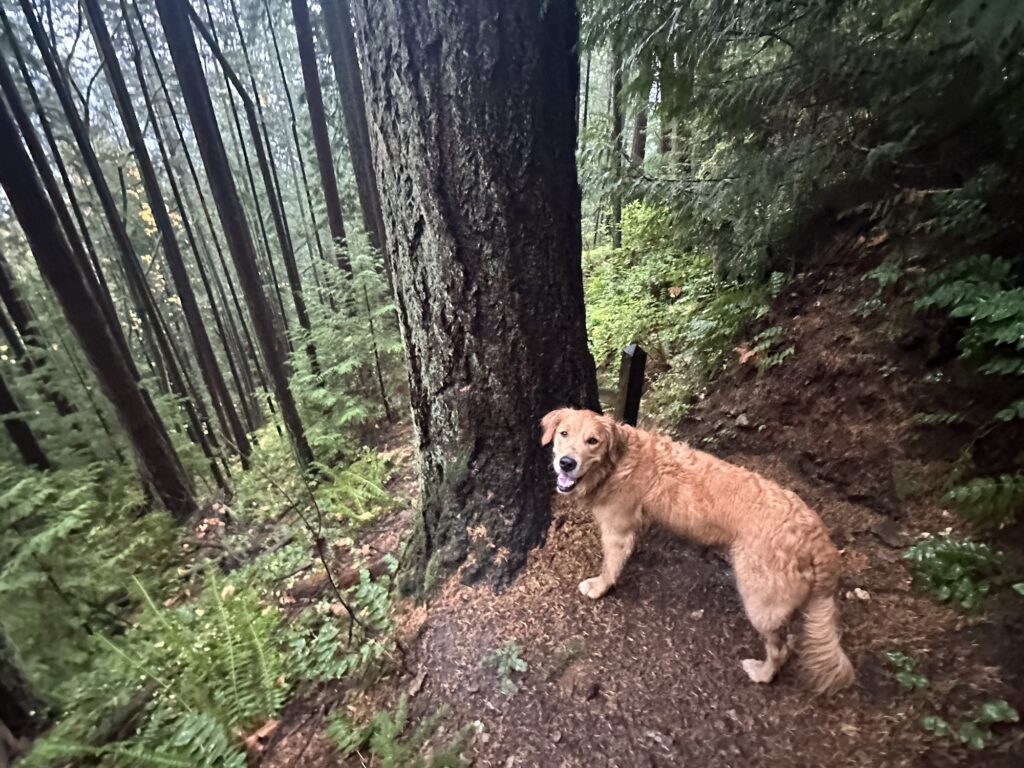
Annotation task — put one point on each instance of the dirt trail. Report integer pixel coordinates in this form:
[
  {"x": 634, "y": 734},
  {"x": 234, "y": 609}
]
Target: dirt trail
[{"x": 650, "y": 675}]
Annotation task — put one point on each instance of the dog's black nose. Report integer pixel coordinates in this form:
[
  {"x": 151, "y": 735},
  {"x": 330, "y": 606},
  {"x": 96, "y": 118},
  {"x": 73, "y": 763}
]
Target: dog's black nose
[{"x": 566, "y": 463}]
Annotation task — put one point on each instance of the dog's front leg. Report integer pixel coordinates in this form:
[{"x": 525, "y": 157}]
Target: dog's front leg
[{"x": 617, "y": 542}]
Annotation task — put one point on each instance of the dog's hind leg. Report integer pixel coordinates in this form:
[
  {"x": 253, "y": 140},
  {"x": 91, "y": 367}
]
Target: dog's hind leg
[{"x": 770, "y": 600}]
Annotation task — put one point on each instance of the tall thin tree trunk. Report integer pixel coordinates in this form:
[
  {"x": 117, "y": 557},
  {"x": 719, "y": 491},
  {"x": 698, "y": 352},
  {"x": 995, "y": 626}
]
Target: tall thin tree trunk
[
  {"x": 174, "y": 18},
  {"x": 617, "y": 148},
  {"x": 318, "y": 125},
  {"x": 159, "y": 464},
  {"x": 482, "y": 271},
  {"x": 308, "y": 196},
  {"x": 586, "y": 95},
  {"x": 276, "y": 204},
  {"x": 639, "y": 148},
  {"x": 209, "y": 367},
  {"x": 20, "y": 432},
  {"x": 22, "y": 709},
  {"x": 342, "y": 45}
]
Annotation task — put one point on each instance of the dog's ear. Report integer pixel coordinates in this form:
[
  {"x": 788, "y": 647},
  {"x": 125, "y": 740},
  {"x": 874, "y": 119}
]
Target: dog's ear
[
  {"x": 616, "y": 439},
  {"x": 549, "y": 424}
]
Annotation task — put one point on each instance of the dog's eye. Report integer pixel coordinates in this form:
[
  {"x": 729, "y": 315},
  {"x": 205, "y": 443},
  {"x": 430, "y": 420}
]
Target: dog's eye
[
  {"x": 592, "y": 441},
  {"x": 563, "y": 433}
]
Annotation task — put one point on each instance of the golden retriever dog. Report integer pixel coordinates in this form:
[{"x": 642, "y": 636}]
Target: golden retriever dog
[{"x": 784, "y": 561}]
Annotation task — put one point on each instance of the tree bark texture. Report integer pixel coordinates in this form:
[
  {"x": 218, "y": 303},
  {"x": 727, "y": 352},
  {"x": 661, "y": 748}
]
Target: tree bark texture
[
  {"x": 618, "y": 128},
  {"x": 471, "y": 112},
  {"x": 22, "y": 710},
  {"x": 158, "y": 463},
  {"x": 174, "y": 17}
]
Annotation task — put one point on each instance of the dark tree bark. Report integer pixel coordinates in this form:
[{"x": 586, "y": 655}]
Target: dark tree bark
[
  {"x": 318, "y": 125},
  {"x": 22, "y": 710},
  {"x": 482, "y": 214},
  {"x": 19, "y": 431},
  {"x": 174, "y": 17},
  {"x": 209, "y": 367},
  {"x": 158, "y": 463},
  {"x": 342, "y": 45},
  {"x": 639, "y": 148},
  {"x": 617, "y": 146}
]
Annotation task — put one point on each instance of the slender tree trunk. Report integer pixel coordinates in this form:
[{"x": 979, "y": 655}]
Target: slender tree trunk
[
  {"x": 22, "y": 710},
  {"x": 209, "y": 368},
  {"x": 295, "y": 133},
  {"x": 174, "y": 18},
  {"x": 482, "y": 213},
  {"x": 276, "y": 204},
  {"x": 342, "y": 45},
  {"x": 586, "y": 95},
  {"x": 20, "y": 432},
  {"x": 158, "y": 462},
  {"x": 318, "y": 124},
  {"x": 617, "y": 149},
  {"x": 639, "y": 148},
  {"x": 83, "y": 248}
]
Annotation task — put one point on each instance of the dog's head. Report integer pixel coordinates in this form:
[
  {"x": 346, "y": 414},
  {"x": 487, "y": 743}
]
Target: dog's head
[{"x": 586, "y": 445}]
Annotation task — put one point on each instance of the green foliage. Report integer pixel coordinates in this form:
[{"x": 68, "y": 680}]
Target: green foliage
[
  {"x": 389, "y": 744},
  {"x": 665, "y": 296},
  {"x": 355, "y": 334},
  {"x": 355, "y": 494},
  {"x": 975, "y": 731},
  {"x": 320, "y": 647},
  {"x": 211, "y": 671},
  {"x": 960, "y": 571},
  {"x": 906, "y": 675},
  {"x": 506, "y": 662},
  {"x": 79, "y": 543},
  {"x": 991, "y": 502}
]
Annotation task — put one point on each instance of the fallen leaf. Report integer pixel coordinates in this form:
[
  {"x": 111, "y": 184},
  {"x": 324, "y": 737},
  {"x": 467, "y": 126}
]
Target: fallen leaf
[{"x": 417, "y": 683}]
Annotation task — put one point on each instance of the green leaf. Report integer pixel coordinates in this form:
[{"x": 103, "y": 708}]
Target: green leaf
[{"x": 998, "y": 711}]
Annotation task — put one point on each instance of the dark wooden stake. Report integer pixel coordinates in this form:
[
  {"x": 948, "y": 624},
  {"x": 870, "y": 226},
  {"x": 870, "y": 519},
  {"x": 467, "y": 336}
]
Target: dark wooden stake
[{"x": 631, "y": 384}]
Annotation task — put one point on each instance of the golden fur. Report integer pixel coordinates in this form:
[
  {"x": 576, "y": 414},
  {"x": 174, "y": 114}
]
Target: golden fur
[{"x": 784, "y": 561}]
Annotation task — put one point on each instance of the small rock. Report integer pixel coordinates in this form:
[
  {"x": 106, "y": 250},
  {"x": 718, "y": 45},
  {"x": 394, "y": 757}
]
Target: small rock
[
  {"x": 417, "y": 683},
  {"x": 890, "y": 534},
  {"x": 743, "y": 421},
  {"x": 858, "y": 594},
  {"x": 556, "y": 736},
  {"x": 698, "y": 614}
]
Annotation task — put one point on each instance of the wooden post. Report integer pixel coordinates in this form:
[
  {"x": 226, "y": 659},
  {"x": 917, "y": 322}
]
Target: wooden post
[{"x": 631, "y": 384}]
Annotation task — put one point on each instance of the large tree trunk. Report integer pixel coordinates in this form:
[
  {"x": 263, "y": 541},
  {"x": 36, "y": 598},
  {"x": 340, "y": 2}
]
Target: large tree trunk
[
  {"x": 342, "y": 45},
  {"x": 209, "y": 367},
  {"x": 182, "y": 45},
  {"x": 19, "y": 431},
  {"x": 477, "y": 172},
  {"x": 318, "y": 125},
  {"x": 158, "y": 462}
]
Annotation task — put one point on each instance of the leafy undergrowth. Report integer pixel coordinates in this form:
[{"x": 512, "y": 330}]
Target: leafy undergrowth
[{"x": 199, "y": 672}]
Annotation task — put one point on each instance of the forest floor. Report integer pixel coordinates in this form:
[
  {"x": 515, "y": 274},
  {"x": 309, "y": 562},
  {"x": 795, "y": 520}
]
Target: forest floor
[{"x": 650, "y": 675}]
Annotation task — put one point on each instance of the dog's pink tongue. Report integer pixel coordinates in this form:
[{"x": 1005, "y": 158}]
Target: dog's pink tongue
[{"x": 564, "y": 481}]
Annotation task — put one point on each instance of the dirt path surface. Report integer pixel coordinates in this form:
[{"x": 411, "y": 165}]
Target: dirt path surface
[{"x": 650, "y": 675}]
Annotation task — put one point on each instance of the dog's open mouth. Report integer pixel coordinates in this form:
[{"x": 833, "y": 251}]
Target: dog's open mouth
[{"x": 565, "y": 483}]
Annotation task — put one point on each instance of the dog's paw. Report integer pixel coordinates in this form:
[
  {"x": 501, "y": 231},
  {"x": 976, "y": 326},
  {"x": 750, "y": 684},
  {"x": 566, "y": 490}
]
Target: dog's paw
[
  {"x": 593, "y": 588},
  {"x": 757, "y": 670}
]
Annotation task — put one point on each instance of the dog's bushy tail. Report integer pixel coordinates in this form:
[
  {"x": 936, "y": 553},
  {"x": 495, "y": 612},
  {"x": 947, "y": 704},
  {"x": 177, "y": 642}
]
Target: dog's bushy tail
[{"x": 822, "y": 658}]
